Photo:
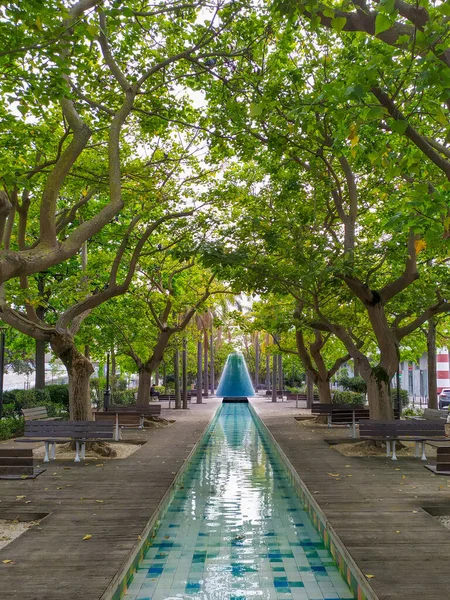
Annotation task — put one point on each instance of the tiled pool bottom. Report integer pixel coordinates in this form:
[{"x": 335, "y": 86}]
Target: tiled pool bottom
[{"x": 236, "y": 530}]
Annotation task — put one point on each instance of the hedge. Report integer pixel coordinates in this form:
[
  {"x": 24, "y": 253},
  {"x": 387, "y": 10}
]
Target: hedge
[
  {"x": 353, "y": 398},
  {"x": 11, "y": 427},
  {"x": 54, "y": 397}
]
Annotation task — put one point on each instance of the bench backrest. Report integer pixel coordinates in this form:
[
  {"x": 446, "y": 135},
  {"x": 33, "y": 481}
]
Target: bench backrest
[
  {"x": 126, "y": 418},
  {"x": 16, "y": 461},
  {"x": 70, "y": 429},
  {"x": 37, "y": 412},
  {"x": 166, "y": 397},
  {"x": 433, "y": 414},
  {"x": 372, "y": 428},
  {"x": 150, "y": 410}
]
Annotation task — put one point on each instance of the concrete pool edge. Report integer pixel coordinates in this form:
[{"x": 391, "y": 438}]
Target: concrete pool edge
[
  {"x": 118, "y": 586},
  {"x": 348, "y": 568}
]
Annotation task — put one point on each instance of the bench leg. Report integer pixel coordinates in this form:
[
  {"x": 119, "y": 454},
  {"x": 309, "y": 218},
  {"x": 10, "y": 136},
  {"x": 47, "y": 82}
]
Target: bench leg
[
  {"x": 77, "y": 452},
  {"x": 83, "y": 450},
  {"x": 388, "y": 449},
  {"x": 46, "y": 458},
  {"x": 394, "y": 456},
  {"x": 53, "y": 451},
  {"x": 329, "y": 420},
  {"x": 417, "y": 454},
  {"x": 117, "y": 434},
  {"x": 424, "y": 456}
]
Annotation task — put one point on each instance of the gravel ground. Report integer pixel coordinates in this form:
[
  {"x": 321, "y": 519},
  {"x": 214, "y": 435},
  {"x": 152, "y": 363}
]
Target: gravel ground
[
  {"x": 10, "y": 530},
  {"x": 65, "y": 452},
  {"x": 444, "y": 520}
]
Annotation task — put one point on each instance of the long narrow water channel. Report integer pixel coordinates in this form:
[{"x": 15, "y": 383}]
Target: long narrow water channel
[{"x": 236, "y": 529}]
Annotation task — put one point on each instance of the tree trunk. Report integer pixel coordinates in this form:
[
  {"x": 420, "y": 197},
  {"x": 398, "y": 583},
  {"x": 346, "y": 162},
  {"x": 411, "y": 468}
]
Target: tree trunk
[
  {"x": 280, "y": 374},
  {"x": 256, "y": 361},
  {"x": 268, "y": 372},
  {"x": 184, "y": 375},
  {"x": 205, "y": 350},
  {"x": 323, "y": 385},
  {"x": 144, "y": 385},
  {"x": 199, "y": 372},
  {"x": 79, "y": 370},
  {"x": 356, "y": 372},
  {"x": 274, "y": 377},
  {"x": 309, "y": 390},
  {"x": 211, "y": 361},
  {"x": 39, "y": 382},
  {"x": 176, "y": 370},
  {"x": 113, "y": 364},
  {"x": 432, "y": 368},
  {"x": 378, "y": 393}
]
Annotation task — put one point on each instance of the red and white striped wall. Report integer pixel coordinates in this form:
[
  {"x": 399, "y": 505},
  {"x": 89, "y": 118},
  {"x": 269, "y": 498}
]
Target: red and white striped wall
[{"x": 443, "y": 369}]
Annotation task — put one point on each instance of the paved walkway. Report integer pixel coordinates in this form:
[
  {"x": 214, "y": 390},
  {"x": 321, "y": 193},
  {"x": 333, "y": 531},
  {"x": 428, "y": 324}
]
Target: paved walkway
[
  {"x": 53, "y": 562},
  {"x": 376, "y": 507}
]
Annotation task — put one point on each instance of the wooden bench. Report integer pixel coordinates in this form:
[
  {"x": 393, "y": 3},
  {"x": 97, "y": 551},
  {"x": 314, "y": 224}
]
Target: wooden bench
[
  {"x": 442, "y": 466},
  {"x": 128, "y": 416},
  {"x": 432, "y": 414},
  {"x": 392, "y": 432},
  {"x": 345, "y": 414},
  {"x": 37, "y": 413},
  {"x": 60, "y": 432},
  {"x": 17, "y": 463}
]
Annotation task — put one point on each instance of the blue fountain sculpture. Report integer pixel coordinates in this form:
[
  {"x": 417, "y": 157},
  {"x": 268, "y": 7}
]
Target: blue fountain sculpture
[{"x": 235, "y": 381}]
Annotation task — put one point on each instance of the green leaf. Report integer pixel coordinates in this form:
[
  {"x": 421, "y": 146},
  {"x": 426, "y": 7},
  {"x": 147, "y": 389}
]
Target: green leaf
[
  {"x": 338, "y": 23},
  {"x": 444, "y": 9},
  {"x": 328, "y": 12},
  {"x": 382, "y": 23},
  {"x": 376, "y": 112},
  {"x": 256, "y": 109},
  {"x": 399, "y": 126}
]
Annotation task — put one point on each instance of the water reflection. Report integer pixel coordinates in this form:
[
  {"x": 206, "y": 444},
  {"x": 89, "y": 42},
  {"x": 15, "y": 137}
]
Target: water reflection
[{"x": 236, "y": 529}]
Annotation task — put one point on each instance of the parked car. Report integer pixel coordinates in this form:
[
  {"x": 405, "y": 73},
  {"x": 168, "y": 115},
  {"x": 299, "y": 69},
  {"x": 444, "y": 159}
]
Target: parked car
[{"x": 444, "y": 398}]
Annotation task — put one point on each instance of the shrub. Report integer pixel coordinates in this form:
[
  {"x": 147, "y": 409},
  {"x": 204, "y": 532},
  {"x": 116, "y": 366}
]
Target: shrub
[
  {"x": 412, "y": 412},
  {"x": 9, "y": 409},
  {"x": 404, "y": 398},
  {"x": 353, "y": 398},
  {"x": 124, "y": 397},
  {"x": 353, "y": 384},
  {"x": 11, "y": 427},
  {"x": 59, "y": 394}
]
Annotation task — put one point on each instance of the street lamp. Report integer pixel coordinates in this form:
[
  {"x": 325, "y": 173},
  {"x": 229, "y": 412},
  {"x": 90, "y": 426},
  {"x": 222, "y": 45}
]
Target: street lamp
[
  {"x": 107, "y": 393},
  {"x": 2, "y": 366}
]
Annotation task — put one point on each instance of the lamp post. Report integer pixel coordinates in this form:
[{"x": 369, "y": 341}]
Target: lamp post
[
  {"x": 107, "y": 393},
  {"x": 2, "y": 366}
]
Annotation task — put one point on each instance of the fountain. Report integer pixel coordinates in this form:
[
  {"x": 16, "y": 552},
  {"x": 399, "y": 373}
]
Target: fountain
[{"x": 235, "y": 384}]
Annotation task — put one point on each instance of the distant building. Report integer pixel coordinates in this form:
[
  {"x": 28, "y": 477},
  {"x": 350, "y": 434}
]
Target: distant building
[{"x": 414, "y": 376}]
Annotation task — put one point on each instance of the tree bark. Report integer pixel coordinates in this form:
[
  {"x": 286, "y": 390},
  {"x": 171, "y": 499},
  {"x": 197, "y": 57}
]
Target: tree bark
[
  {"x": 79, "y": 371},
  {"x": 378, "y": 392},
  {"x": 176, "y": 370},
  {"x": 184, "y": 375},
  {"x": 309, "y": 390},
  {"x": 280, "y": 374},
  {"x": 274, "y": 377},
  {"x": 432, "y": 367},
  {"x": 205, "y": 350},
  {"x": 256, "y": 361},
  {"x": 144, "y": 385},
  {"x": 323, "y": 385},
  {"x": 268, "y": 372},
  {"x": 199, "y": 372},
  {"x": 211, "y": 360},
  {"x": 39, "y": 382}
]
